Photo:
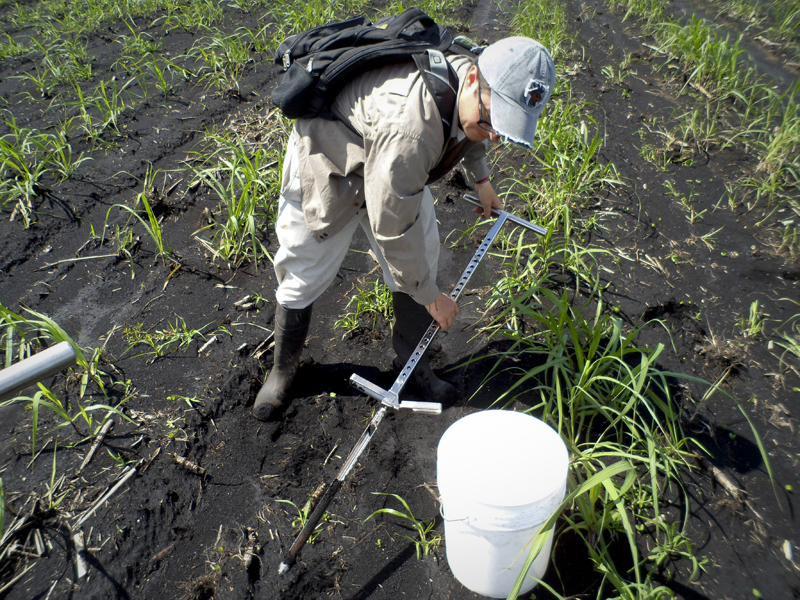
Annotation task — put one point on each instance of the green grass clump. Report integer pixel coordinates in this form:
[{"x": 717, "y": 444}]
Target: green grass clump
[
  {"x": 147, "y": 218},
  {"x": 787, "y": 338},
  {"x": 138, "y": 44},
  {"x": 569, "y": 174},
  {"x": 785, "y": 21},
  {"x": 162, "y": 341},
  {"x": 426, "y": 539},
  {"x": 371, "y": 302},
  {"x": 609, "y": 402},
  {"x": 769, "y": 22},
  {"x": 222, "y": 60},
  {"x": 28, "y": 159},
  {"x": 193, "y": 15},
  {"x": 774, "y": 132},
  {"x": 299, "y": 522},
  {"x": 98, "y": 112},
  {"x": 64, "y": 61},
  {"x": 438, "y": 10},
  {"x": 294, "y": 16},
  {"x": 650, "y": 10},
  {"x": 704, "y": 56},
  {"x": 245, "y": 179},
  {"x": 545, "y": 21},
  {"x": 568, "y": 154},
  {"x": 11, "y": 48},
  {"x": 752, "y": 324}
]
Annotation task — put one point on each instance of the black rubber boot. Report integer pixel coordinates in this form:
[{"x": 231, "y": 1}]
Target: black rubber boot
[
  {"x": 411, "y": 321},
  {"x": 291, "y": 327}
]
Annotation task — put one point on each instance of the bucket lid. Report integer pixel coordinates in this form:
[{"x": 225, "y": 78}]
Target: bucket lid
[{"x": 501, "y": 458}]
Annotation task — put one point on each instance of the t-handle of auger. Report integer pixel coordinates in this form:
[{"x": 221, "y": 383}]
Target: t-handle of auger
[{"x": 496, "y": 212}]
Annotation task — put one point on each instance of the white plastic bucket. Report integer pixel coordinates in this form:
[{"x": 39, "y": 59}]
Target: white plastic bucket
[{"x": 501, "y": 474}]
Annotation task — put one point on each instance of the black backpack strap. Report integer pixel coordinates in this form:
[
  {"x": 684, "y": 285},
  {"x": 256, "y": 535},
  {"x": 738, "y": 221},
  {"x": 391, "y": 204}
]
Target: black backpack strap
[
  {"x": 396, "y": 25},
  {"x": 442, "y": 82},
  {"x": 465, "y": 46}
]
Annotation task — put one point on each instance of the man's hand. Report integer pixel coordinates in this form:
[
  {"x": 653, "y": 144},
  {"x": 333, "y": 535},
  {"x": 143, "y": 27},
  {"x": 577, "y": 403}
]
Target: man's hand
[
  {"x": 443, "y": 310},
  {"x": 489, "y": 199}
]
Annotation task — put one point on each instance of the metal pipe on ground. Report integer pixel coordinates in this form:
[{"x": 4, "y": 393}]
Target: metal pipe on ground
[{"x": 47, "y": 363}]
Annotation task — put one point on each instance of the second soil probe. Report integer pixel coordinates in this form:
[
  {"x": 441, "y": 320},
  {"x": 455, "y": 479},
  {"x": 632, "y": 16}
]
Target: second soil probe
[{"x": 391, "y": 398}]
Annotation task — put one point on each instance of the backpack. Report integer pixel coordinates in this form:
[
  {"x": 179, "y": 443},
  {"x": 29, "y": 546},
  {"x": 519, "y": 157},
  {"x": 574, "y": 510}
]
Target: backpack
[{"x": 319, "y": 62}]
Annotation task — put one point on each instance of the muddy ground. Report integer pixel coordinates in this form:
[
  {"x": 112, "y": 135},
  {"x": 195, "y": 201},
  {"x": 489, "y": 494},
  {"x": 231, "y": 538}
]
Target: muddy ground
[{"x": 169, "y": 533}]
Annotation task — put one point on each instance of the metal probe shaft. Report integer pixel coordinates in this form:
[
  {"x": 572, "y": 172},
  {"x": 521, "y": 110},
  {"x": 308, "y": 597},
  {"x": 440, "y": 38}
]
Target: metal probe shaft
[{"x": 316, "y": 516}]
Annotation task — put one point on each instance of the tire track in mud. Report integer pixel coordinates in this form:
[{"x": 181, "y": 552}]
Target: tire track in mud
[{"x": 489, "y": 16}]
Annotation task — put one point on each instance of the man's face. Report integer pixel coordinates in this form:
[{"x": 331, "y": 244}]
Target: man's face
[{"x": 475, "y": 110}]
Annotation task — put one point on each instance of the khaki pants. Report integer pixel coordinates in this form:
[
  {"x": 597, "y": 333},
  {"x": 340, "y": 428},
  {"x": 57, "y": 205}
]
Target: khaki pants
[{"x": 306, "y": 267}]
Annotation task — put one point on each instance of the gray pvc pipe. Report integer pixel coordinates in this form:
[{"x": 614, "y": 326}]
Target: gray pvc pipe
[{"x": 42, "y": 365}]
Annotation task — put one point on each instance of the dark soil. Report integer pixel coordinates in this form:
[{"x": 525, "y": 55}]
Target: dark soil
[{"x": 170, "y": 533}]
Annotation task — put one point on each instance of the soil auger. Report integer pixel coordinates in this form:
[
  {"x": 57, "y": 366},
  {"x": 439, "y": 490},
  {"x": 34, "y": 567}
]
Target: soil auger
[{"x": 391, "y": 398}]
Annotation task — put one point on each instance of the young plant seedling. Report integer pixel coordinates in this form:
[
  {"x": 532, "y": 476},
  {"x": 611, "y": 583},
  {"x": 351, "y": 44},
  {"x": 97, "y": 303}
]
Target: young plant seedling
[
  {"x": 302, "y": 517},
  {"x": 426, "y": 540},
  {"x": 162, "y": 341},
  {"x": 752, "y": 324},
  {"x": 372, "y": 303},
  {"x": 243, "y": 181}
]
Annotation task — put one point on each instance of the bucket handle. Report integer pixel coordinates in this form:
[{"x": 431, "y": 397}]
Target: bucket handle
[{"x": 441, "y": 512}]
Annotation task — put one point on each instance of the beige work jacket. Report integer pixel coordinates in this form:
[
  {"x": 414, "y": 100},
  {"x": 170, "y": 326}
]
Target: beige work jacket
[{"x": 400, "y": 149}]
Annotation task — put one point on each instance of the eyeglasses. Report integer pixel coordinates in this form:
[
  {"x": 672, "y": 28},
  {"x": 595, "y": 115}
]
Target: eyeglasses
[{"x": 482, "y": 122}]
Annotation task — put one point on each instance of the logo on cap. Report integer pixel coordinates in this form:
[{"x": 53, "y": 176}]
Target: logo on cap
[{"x": 535, "y": 92}]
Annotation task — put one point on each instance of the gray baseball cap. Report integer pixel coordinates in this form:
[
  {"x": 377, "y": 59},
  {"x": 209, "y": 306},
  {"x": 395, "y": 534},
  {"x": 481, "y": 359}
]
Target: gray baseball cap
[{"x": 521, "y": 74}]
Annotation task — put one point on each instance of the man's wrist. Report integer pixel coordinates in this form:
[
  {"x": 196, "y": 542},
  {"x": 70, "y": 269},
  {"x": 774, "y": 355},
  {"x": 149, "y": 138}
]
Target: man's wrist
[{"x": 484, "y": 180}]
